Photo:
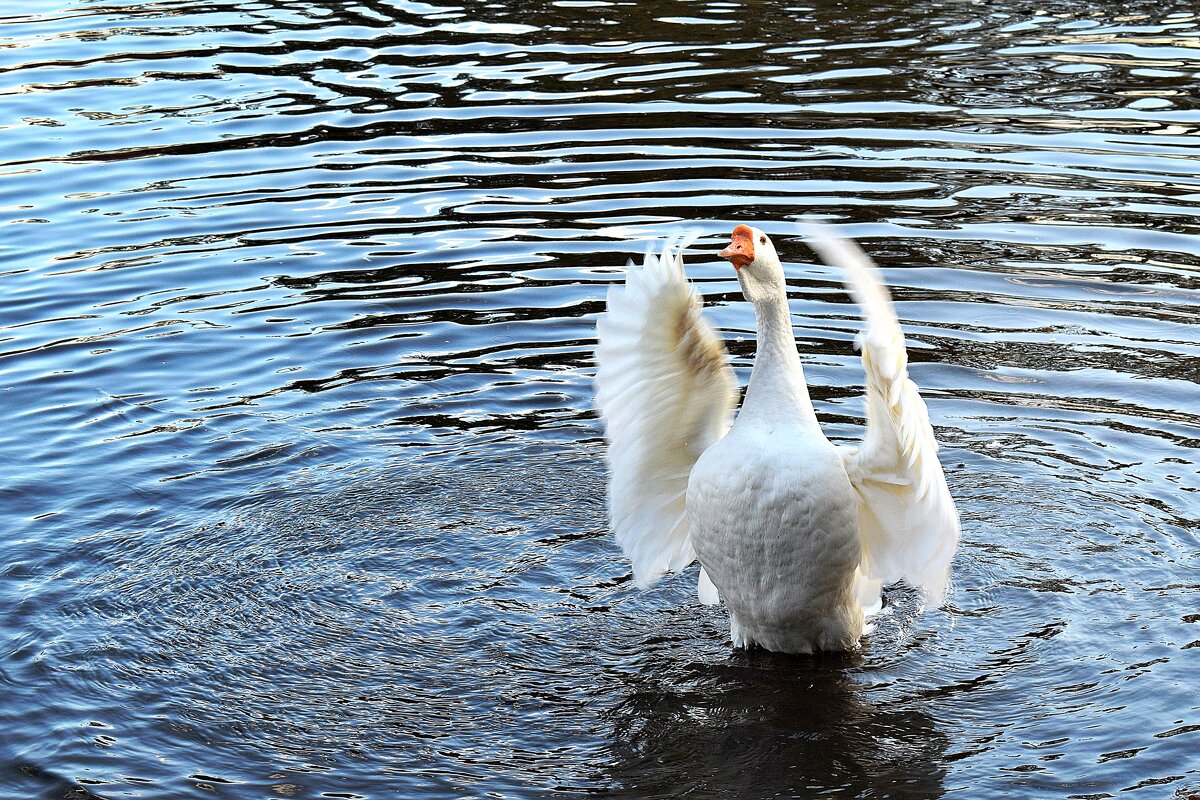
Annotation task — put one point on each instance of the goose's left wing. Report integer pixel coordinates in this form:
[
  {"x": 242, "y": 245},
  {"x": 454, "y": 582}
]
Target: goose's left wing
[
  {"x": 907, "y": 519},
  {"x": 665, "y": 393}
]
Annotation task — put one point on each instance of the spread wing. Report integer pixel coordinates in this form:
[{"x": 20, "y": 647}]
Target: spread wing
[
  {"x": 665, "y": 393},
  {"x": 907, "y": 519}
]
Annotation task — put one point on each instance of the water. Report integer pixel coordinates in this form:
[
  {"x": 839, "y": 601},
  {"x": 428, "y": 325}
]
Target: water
[{"x": 302, "y": 490}]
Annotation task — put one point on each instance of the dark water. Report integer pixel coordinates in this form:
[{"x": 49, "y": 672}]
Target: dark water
[{"x": 302, "y": 490}]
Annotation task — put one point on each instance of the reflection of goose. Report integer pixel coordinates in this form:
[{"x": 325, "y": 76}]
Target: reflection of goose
[
  {"x": 761, "y": 725},
  {"x": 796, "y": 535}
]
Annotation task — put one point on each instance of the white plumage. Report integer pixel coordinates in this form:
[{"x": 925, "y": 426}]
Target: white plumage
[
  {"x": 795, "y": 535},
  {"x": 667, "y": 394}
]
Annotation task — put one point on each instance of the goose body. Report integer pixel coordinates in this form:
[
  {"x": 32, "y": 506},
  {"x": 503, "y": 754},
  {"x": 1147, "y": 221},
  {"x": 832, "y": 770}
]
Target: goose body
[
  {"x": 797, "y": 536},
  {"x": 773, "y": 521}
]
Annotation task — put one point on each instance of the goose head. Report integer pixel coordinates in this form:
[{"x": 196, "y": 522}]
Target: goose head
[{"x": 758, "y": 269}]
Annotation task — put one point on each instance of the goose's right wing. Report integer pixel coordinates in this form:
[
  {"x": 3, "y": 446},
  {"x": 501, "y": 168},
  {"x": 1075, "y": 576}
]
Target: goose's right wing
[{"x": 665, "y": 393}]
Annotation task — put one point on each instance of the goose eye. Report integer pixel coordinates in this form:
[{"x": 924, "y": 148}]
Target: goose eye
[{"x": 762, "y": 240}]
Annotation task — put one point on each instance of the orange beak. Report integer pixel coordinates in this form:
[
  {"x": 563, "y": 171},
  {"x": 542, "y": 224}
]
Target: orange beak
[{"x": 740, "y": 251}]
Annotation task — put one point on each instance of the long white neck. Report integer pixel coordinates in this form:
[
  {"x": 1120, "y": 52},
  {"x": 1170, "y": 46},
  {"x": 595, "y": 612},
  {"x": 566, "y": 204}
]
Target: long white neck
[{"x": 777, "y": 390}]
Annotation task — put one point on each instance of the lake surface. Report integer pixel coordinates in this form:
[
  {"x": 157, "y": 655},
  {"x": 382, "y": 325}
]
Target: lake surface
[{"x": 302, "y": 488}]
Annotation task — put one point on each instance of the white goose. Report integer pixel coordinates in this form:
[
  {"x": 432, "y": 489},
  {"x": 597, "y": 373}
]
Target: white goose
[{"x": 797, "y": 535}]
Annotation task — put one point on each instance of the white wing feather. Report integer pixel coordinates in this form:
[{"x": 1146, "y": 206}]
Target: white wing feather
[
  {"x": 665, "y": 393},
  {"x": 907, "y": 519}
]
